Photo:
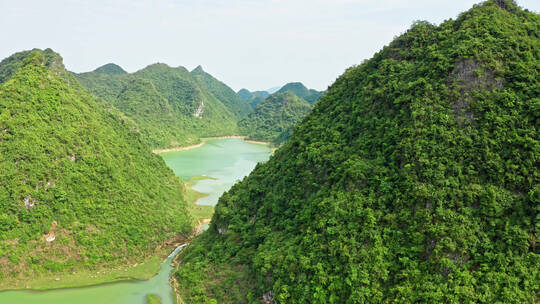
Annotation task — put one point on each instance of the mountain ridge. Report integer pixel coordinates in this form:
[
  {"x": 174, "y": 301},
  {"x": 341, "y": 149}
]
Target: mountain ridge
[
  {"x": 198, "y": 104},
  {"x": 273, "y": 119}
]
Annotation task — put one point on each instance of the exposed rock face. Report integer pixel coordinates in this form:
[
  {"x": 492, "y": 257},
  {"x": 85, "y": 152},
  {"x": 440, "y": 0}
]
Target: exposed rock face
[
  {"x": 222, "y": 231},
  {"x": 29, "y": 202},
  {"x": 469, "y": 76},
  {"x": 200, "y": 110},
  {"x": 268, "y": 297}
]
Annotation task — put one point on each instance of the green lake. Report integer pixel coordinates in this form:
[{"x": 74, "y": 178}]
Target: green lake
[{"x": 224, "y": 160}]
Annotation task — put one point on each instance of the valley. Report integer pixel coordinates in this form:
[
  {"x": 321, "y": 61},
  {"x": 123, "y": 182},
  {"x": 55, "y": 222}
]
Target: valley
[
  {"x": 412, "y": 176},
  {"x": 209, "y": 171}
]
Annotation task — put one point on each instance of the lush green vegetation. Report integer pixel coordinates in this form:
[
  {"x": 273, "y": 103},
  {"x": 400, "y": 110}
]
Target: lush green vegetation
[
  {"x": 78, "y": 188},
  {"x": 301, "y": 91},
  {"x": 253, "y": 98},
  {"x": 137, "y": 270},
  {"x": 257, "y": 97},
  {"x": 170, "y": 106},
  {"x": 238, "y": 106},
  {"x": 110, "y": 69},
  {"x": 104, "y": 85},
  {"x": 274, "y": 117},
  {"x": 415, "y": 179},
  {"x": 152, "y": 299}
]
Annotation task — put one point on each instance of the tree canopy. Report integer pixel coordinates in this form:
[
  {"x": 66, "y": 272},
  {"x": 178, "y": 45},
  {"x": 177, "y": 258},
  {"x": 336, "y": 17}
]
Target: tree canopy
[
  {"x": 78, "y": 187},
  {"x": 170, "y": 106},
  {"x": 415, "y": 179},
  {"x": 273, "y": 119}
]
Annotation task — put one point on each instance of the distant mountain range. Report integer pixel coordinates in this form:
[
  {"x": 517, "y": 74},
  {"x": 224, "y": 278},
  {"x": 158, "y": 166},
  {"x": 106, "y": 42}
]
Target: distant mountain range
[
  {"x": 170, "y": 106},
  {"x": 273, "y": 90},
  {"x": 256, "y": 97},
  {"x": 253, "y": 98},
  {"x": 301, "y": 91},
  {"x": 274, "y": 117}
]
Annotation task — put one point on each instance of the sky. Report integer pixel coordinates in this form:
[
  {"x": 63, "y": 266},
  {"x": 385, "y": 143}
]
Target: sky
[{"x": 254, "y": 44}]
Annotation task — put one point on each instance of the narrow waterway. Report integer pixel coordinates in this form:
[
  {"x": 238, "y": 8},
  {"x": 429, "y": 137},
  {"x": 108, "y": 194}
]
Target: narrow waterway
[
  {"x": 130, "y": 292},
  {"x": 224, "y": 162}
]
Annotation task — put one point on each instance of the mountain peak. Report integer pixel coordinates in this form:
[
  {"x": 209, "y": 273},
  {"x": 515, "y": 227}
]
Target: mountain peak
[
  {"x": 391, "y": 182},
  {"x": 300, "y": 90},
  {"x": 198, "y": 69},
  {"x": 110, "y": 69},
  {"x": 508, "y": 5},
  {"x": 42, "y": 110},
  {"x": 47, "y": 57}
]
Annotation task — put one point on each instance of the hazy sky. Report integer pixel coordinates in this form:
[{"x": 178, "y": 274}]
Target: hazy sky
[{"x": 255, "y": 44}]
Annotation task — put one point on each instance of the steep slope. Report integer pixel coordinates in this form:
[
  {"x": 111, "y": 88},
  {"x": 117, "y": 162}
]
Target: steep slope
[
  {"x": 238, "y": 106},
  {"x": 196, "y": 110},
  {"x": 274, "y": 116},
  {"x": 301, "y": 91},
  {"x": 253, "y": 98},
  {"x": 78, "y": 189},
  {"x": 415, "y": 179},
  {"x": 156, "y": 120},
  {"x": 192, "y": 110}
]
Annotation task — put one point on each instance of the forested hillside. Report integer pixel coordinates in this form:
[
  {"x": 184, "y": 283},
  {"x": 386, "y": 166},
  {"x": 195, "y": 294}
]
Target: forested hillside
[
  {"x": 253, "y": 98},
  {"x": 171, "y": 106},
  {"x": 110, "y": 69},
  {"x": 274, "y": 118},
  {"x": 300, "y": 90},
  {"x": 78, "y": 188},
  {"x": 102, "y": 83},
  {"x": 415, "y": 179},
  {"x": 238, "y": 106}
]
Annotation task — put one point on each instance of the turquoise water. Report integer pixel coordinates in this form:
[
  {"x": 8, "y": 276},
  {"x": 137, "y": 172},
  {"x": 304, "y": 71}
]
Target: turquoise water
[
  {"x": 226, "y": 160},
  {"x": 131, "y": 292}
]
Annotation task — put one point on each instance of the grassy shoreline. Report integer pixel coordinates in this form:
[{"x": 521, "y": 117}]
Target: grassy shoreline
[
  {"x": 203, "y": 142},
  {"x": 84, "y": 278},
  {"x": 158, "y": 151},
  {"x": 135, "y": 270},
  {"x": 257, "y": 142}
]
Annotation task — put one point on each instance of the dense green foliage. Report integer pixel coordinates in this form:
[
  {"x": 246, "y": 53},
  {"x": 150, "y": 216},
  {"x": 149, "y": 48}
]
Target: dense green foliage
[
  {"x": 301, "y": 91},
  {"x": 110, "y": 69},
  {"x": 153, "y": 299},
  {"x": 106, "y": 86},
  {"x": 170, "y": 106},
  {"x": 238, "y": 106},
  {"x": 273, "y": 117},
  {"x": 253, "y": 98},
  {"x": 75, "y": 171},
  {"x": 415, "y": 179}
]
